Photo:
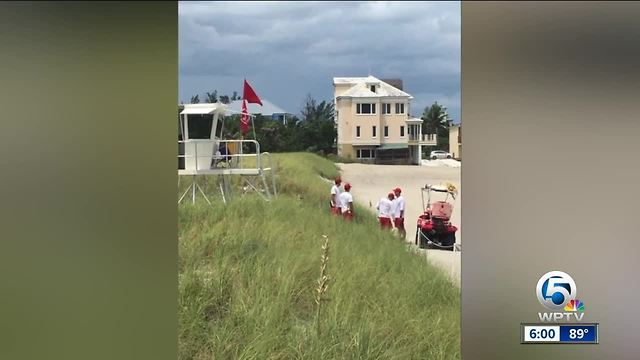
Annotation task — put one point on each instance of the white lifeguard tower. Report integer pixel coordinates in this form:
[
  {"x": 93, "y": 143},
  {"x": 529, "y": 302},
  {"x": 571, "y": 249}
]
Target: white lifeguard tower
[{"x": 202, "y": 152}]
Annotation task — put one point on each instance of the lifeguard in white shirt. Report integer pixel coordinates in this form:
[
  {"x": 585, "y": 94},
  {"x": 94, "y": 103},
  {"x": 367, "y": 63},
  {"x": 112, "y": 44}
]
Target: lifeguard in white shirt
[
  {"x": 399, "y": 212},
  {"x": 385, "y": 211},
  {"x": 334, "y": 202},
  {"x": 346, "y": 201}
]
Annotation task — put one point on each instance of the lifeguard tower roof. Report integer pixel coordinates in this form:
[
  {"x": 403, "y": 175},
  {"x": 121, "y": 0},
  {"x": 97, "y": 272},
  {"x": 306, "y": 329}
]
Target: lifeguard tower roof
[{"x": 204, "y": 109}]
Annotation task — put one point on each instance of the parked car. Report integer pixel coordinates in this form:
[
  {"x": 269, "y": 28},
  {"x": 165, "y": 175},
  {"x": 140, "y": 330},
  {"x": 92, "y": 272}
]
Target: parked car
[{"x": 439, "y": 154}]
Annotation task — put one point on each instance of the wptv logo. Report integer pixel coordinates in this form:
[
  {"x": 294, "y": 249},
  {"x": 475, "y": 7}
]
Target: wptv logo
[{"x": 557, "y": 291}]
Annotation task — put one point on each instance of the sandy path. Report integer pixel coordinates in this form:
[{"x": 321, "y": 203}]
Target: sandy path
[{"x": 371, "y": 182}]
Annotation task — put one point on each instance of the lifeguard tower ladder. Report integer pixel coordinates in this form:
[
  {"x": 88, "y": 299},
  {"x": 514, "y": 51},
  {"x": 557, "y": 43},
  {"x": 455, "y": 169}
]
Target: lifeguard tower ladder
[{"x": 202, "y": 152}]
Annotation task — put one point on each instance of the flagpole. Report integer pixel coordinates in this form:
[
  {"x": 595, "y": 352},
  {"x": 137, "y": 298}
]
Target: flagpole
[
  {"x": 253, "y": 125},
  {"x": 245, "y": 112},
  {"x": 249, "y": 95},
  {"x": 245, "y": 109},
  {"x": 241, "y": 146}
]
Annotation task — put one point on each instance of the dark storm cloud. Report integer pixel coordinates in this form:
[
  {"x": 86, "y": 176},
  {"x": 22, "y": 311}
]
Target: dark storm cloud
[{"x": 290, "y": 49}]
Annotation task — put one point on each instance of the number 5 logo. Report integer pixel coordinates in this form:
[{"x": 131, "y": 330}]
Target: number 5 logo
[{"x": 555, "y": 289}]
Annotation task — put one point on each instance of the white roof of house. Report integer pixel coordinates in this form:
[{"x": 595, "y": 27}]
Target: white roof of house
[
  {"x": 267, "y": 109},
  {"x": 361, "y": 87},
  {"x": 352, "y": 80}
]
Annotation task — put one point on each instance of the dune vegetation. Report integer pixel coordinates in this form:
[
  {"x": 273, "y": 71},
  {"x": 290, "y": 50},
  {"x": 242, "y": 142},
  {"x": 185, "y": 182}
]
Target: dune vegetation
[{"x": 250, "y": 271}]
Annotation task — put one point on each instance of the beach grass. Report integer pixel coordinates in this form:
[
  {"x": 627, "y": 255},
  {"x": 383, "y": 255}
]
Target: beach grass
[{"x": 249, "y": 274}]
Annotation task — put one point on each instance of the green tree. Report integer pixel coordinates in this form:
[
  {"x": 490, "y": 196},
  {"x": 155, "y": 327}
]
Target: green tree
[
  {"x": 318, "y": 127},
  {"x": 212, "y": 97},
  {"x": 235, "y": 96},
  {"x": 292, "y": 133},
  {"x": 313, "y": 111},
  {"x": 195, "y": 99},
  {"x": 437, "y": 121}
]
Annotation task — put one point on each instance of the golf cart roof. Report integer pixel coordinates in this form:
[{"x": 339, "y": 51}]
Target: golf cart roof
[
  {"x": 445, "y": 188},
  {"x": 438, "y": 188}
]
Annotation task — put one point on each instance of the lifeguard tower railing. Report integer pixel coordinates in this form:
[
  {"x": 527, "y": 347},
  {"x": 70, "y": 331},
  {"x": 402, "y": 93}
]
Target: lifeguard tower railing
[{"x": 226, "y": 158}]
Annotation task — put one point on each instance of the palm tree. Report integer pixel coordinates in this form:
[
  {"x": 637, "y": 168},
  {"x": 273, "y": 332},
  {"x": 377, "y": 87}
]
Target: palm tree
[
  {"x": 437, "y": 121},
  {"x": 313, "y": 111},
  {"x": 212, "y": 97},
  {"x": 195, "y": 99},
  {"x": 318, "y": 127}
]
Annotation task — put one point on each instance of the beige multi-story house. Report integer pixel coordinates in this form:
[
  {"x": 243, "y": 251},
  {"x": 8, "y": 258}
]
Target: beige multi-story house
[{"x": 374, "y": 124}]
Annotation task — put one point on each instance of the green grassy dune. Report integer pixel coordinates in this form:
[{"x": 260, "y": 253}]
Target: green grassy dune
[{"x": 248, "y": 273}]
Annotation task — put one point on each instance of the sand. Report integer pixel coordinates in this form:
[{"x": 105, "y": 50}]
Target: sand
[
  {"x": 371, "y": 182},
  {"x": 442, "y": 163}
]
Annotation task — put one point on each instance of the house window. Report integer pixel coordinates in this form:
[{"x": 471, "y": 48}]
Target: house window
[
  {"x": 401, "y": 131},
  {"x": 386, "y": 108},
  {"x": 373, "y": 88},
  {"x": 386, "y": 131},
  {"x": 373, "y": 131},
  {"x": 365, "y": 154},
  {"x": 399, "y": 108},
  {"x": 357, "y": 131},
  {"x": 365, "y": 108}
]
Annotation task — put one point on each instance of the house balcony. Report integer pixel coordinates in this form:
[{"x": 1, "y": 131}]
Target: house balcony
[
  {"x": 415, "y": 135},
  {"x": 422, "y": 139}
]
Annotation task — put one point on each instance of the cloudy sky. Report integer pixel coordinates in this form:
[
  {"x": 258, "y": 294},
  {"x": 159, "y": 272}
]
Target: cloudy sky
[{"x": 287, "y": 50}]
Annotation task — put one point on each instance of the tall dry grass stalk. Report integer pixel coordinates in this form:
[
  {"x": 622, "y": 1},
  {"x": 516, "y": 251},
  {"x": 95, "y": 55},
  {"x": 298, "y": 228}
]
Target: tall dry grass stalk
[{"x": 323, "y": 281}]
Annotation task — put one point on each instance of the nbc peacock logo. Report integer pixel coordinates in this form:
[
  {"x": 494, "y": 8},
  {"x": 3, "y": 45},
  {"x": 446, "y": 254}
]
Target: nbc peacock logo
[{"x": 574, "y": 305}]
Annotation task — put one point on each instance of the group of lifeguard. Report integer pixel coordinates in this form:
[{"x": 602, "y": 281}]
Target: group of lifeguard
[
  {"x": 341, "y": 201},
  {"x": 390, "y": 208},
  {"x": 391, "y": 211}
]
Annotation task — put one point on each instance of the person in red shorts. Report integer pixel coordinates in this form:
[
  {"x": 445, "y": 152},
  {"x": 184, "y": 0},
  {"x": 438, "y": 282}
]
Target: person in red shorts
[
  {"x": 346, "y": 199},
  {"x": 385, "y": 211},
  {"x": 334, "y": 202},
  {"x": 399, "y": 212}
]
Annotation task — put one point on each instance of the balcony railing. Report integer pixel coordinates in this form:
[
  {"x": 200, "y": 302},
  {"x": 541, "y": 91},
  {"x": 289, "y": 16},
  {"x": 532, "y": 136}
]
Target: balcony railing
[{"x": 428, "y": 138}]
